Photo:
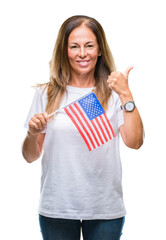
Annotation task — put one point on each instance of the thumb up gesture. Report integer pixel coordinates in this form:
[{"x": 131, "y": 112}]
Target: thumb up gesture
[{"x": 118, "y": 81}]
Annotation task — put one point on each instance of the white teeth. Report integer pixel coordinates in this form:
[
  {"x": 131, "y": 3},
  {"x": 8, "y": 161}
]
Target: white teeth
[{"x": 83, "y": 63}]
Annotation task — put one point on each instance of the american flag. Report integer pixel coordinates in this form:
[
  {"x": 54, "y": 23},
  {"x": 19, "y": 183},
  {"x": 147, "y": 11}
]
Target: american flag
[{"x": 90, "y": 120}]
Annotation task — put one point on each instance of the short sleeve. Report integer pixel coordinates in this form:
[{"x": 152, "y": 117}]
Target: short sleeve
[
  {"x": 38, "y": 105},
  {"x": 119, "y": 112}
]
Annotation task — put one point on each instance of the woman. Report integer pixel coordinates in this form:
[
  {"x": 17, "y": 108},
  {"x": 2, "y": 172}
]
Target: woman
[{"x": 78, "y": 184}]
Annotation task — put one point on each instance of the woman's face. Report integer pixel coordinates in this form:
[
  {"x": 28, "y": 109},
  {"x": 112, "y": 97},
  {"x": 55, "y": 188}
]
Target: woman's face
[{"x": 83, "y": 50}]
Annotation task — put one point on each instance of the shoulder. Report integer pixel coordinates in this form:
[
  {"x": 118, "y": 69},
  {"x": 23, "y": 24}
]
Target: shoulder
[{"x": 41, "y": 90}]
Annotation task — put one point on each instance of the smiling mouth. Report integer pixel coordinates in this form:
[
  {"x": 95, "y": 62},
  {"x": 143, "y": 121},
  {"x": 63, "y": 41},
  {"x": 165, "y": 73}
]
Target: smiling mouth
[{"x": 83, "y": 62}]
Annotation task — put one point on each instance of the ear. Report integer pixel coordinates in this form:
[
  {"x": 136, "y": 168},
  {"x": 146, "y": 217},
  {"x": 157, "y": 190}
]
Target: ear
[{"x": 99, "y": 53}]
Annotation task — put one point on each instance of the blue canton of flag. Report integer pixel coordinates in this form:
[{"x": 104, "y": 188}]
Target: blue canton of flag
[
  {"x": 90, "y": 120},
  {"x": 91, "y": 106}
]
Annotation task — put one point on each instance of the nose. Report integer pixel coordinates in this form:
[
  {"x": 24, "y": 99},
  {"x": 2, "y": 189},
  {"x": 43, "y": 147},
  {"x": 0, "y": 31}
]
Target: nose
[{"x": 82, "y": 52}]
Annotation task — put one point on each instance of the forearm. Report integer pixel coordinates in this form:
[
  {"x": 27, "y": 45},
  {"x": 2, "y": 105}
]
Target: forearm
[
  {"x": 30, "y": 149},
  {"x": 132, "y": 129}
]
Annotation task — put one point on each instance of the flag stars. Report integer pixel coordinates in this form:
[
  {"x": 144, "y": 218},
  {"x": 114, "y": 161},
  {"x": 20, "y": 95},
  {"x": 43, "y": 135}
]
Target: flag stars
[{"x": 91, "y": 106}]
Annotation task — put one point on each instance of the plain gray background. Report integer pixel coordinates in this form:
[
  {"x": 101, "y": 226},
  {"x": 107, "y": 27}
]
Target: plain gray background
[{"x": 135, "y": 31}]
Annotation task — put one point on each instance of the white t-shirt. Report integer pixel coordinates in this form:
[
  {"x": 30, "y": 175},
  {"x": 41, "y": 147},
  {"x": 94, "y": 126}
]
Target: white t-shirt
[{"x": 77, "y": 183}]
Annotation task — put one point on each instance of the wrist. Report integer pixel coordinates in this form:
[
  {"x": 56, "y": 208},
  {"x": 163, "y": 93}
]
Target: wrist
[
  {"x": 126, "y": 97},
  {"x": 31, "y": 135}
]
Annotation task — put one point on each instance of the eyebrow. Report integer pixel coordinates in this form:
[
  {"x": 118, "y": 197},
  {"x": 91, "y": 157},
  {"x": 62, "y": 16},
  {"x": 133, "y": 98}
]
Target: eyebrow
[{"x": 85, "y": 43}]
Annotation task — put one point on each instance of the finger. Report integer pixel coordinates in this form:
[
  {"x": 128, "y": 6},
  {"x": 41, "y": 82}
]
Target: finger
[
  {"x": 126, "y": 73},
  {"x": 46, "y": 116},
  {"x": 42, "y": 120},
  {"x": 37, "y": 121},
  {"x": 33, "y": 130},
  {"x": 116, "y": 74},
  {"x": 113, "y": 73},
  {"x": 111, "y": 80},
  {"x": 32, "y": 124},
  {"x": 110, "y": 77},
  {"x": 110, "y": 86}
]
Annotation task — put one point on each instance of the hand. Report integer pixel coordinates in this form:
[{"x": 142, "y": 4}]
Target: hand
[
  {"x": 38, "y": 123},
  {"x": 118, "y": 82}
]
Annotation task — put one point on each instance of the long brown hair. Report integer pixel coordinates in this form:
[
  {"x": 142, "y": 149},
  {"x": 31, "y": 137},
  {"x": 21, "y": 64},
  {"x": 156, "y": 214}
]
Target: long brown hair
[{"x": 60, "y": 67}]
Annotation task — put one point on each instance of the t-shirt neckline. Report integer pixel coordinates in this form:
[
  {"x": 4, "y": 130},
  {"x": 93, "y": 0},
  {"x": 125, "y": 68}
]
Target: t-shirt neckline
[{"x": 78, "y": 89}]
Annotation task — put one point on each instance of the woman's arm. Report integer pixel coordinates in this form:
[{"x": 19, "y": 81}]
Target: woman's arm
[
  {"x": 132, "y": 129},
  {"x": 33, "y": 143},
  {"x": 32, "y": 146}
]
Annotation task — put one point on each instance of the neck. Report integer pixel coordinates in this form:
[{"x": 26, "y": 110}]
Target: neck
[{"x": 82, "y": 81}]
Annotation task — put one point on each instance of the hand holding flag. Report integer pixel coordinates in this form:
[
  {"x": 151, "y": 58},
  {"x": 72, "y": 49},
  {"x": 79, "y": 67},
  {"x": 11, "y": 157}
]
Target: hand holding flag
[{"x": 38, "y": 123}]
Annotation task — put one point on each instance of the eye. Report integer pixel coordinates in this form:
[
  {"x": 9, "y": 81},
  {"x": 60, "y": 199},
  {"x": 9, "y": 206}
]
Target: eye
[
  {"x": 89, "y": 46},
  {"x": 73, "y": 47}
]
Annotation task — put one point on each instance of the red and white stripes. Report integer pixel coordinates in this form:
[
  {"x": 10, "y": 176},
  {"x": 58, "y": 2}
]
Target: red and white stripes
[{"x": 94, "y": 132}]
